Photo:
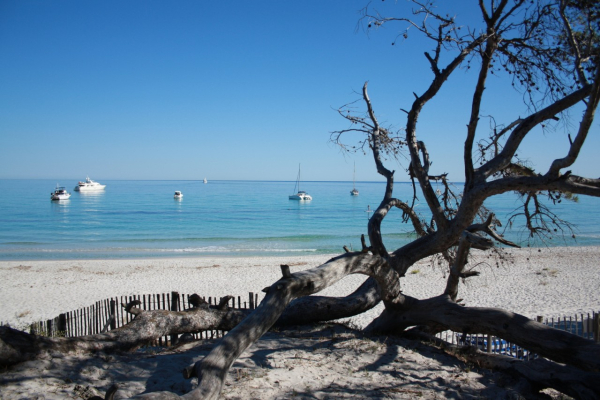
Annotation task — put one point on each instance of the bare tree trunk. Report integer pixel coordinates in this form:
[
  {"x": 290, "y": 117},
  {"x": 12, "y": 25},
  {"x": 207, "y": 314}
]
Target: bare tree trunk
[
  {"x": 542, "y": 373},
  {"x": 17, "y": 346},
  {"x": 211, "y": 371},
  {"x": 440, "y": 311},
  {"x": 311, "y": 309}
]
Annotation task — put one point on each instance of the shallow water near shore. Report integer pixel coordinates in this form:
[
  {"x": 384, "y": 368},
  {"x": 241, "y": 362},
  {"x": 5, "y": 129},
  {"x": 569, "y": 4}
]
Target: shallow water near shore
[{"x": 141, "y": 219}]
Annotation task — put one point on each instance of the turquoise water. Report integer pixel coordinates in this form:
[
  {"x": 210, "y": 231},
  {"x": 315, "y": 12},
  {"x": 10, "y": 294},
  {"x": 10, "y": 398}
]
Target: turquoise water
[{"x": 133, "y": 219}]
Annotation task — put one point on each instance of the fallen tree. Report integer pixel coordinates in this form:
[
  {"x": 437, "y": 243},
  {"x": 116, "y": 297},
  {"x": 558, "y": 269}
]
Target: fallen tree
[
  {"x": 17, "y": 346},
  {"x": 148, "y": 325},
  {"x": 548, "y": 50}
]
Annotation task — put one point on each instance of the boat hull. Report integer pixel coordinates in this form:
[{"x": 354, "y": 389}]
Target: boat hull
[
  {"x": 60, "y": 197},
  {"x": 94, "y": 188},
  {"x": 301, "y": 197}
]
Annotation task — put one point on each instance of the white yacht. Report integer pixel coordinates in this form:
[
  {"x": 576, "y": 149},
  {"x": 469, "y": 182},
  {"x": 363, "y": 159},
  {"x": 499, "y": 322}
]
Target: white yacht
[
  {"x": 178, "y": 195},
  {"x": 301, "y": 195},
  {"x": 88, "y": 186},
  {"x": 205, "y": 181},
  {"x": 60, "y": 193}
]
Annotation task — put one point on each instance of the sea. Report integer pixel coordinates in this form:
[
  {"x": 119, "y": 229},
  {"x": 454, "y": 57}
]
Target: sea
[{"x": 142, "y": 219}]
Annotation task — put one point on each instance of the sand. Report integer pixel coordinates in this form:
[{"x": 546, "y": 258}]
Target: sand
[
  {"x": 332, "y": 363},
  {"x": 547, "y": 282}
]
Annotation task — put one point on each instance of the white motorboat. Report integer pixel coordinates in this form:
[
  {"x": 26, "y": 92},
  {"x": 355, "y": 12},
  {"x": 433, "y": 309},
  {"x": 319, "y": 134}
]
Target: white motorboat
[
  {"x": 178, "y": 195},
  {"x": 205, "y": 181},
  {"x": 301, "y": 194},
  {"x": 60, "y": 193},
  {"x": 354, "y": 191},
  {"x": 88, "y": 186}
]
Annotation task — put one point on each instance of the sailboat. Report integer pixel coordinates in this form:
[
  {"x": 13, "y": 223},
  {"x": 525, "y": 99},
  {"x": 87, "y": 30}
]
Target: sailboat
[
  {"x": 301, "y": 195},
  {"x": 354, "y": 191}
]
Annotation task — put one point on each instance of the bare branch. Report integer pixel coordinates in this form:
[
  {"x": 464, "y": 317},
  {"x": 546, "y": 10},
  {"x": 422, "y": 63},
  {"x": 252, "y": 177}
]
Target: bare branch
[
  {"x": 572, "y": 43},
  {"x": 503, "y": 159},
  {"x": 584, "y": 128},
  {"x": 487, "y": 57},
  {"x": 487, "y": 227}
]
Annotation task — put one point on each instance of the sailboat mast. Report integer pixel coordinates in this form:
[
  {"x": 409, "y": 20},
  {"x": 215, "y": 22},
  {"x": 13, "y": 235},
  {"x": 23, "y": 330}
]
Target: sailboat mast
[{"x": 297, "y": 184}]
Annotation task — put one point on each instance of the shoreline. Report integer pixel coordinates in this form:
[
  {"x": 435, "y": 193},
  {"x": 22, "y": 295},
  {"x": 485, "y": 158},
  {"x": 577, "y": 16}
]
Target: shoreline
[
  {"x": 550, "y": 282},
  {"x": 170, "y": 257},
  {"x": 238, "y": 255}
]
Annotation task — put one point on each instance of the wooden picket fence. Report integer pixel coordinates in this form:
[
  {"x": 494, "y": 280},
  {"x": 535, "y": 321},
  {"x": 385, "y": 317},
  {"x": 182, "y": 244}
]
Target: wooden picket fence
[{"x": 110, "y": 314}]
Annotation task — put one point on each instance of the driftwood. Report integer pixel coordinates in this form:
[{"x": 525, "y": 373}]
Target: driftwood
[
  {"x": 551, "y": 343},
  {"x": 17, "y": 346},
  {"x": 539, "y": 371},
  {"x": 212, "y": 369},
  {"x": 147, "y": 325},
  {"x": 542, "y": 373}
]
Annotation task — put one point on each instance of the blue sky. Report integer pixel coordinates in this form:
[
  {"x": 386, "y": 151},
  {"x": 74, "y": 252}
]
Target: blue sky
[{"x": 220, "y": 89}]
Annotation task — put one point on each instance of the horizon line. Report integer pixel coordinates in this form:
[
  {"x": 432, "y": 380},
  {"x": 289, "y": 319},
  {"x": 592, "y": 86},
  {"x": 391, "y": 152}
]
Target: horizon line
[{"x": 214, "y": 180}]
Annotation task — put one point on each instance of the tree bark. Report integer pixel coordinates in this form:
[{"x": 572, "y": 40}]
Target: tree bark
[
  {"x": 148, "y": 325},
  {"x": 441, "y": 311},
  {"x": 542, "y": 373},
  {"x": 17, "y": 346},
  {"x": 211, "y": 371},
  {"x": 312, "y": 309}
]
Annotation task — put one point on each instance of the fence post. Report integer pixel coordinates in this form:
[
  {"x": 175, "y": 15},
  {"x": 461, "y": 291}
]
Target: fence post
[
  {"x": 251, "y": 301},
  {"x": 113, "y": 315},
  {"x": 174, "y": 307},
  {"x": 597, "y": 328},
  {"x": 62, "y": 325}
]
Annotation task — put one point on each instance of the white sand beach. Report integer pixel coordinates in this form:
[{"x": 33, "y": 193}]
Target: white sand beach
[{"x": 547, "y": 282}]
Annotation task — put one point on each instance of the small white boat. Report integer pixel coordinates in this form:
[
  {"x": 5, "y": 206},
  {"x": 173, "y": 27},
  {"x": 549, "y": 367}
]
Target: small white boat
[
  {"x": 88, "y": 186},
  {"x": 301, "y": 195},
  {"x": 354, "y": 191},
  {"x": 60, "y": 193},
  {"x": 205, "y": 181},
  {"x": 178, "y": 195}
]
